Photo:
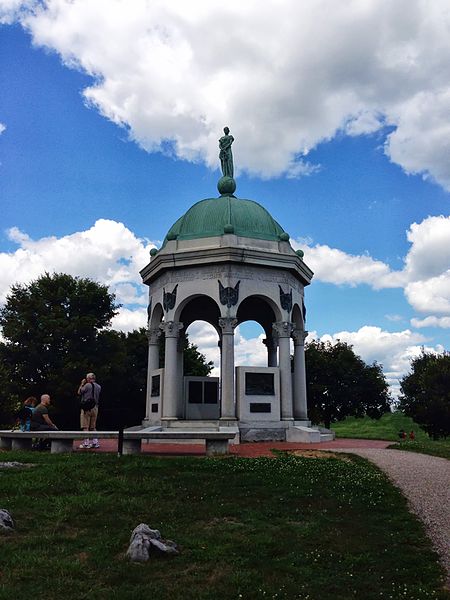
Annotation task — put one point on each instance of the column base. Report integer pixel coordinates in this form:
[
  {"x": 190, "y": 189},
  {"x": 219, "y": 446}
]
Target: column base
[
  {"x": 58, "y": 446},
  {"x": 216, "y": 447},
  {"x": 131, "y": 446}
]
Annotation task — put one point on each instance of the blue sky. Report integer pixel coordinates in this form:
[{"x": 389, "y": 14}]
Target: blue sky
[{"x": 103, "y": 147}]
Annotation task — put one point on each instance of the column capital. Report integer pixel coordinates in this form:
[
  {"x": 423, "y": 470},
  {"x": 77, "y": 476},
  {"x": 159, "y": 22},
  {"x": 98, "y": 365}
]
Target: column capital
[
  {"x": 153, "y": 336},
  {"x": 228, "y": 324},
  {"x": 271, "y": 342},
  {"x": 299, "y": 336},
  {"x": 171, "y": 328},
  {"x": 283, "y": 329}
]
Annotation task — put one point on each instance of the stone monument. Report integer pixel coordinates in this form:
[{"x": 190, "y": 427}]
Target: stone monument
[{"x": 227, "y": 261}]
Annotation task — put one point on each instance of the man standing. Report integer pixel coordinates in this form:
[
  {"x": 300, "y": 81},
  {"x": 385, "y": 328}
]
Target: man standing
[
  {"x": 40, "y": 421},
  {"x": 89, "y": 391}
]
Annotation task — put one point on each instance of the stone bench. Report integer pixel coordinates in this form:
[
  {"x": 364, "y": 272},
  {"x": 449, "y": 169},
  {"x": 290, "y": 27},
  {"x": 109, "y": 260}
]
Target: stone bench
[{"x": 216, "y": 442}]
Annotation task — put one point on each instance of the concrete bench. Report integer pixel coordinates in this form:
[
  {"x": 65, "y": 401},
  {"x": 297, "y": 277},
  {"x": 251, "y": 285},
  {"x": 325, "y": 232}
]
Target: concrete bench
[{"x": 216, "y": 442}]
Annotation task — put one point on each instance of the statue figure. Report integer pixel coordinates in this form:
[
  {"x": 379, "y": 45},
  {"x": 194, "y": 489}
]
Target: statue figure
[{"x": 225, "y": 154}]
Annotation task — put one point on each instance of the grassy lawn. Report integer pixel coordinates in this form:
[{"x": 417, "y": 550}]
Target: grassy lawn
[
  {"x": 386, "y": 428},
  {"x": 288, "y": 527},
  {"x": 435, "y": 448}
]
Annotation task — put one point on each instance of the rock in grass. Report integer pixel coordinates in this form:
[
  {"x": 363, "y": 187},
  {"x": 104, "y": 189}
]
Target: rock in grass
[
  {"x": 143, "y": 540},
  {"x": 6, "y": 522}
]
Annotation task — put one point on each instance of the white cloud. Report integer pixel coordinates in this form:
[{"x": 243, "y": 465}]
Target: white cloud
[
  {"x": 394, "y": 318},
  {"x": 128, "y": 320},
  {"x": 108, "y": 252},
  {"x": 2, "y": 128},
  {"x": 393, "y": 350},
  {"x": 335, "y": 266},
  {"x": 178, "y": 72},
  {"x": 425, "y": 276},
  {"x": 432, "y": 321}
]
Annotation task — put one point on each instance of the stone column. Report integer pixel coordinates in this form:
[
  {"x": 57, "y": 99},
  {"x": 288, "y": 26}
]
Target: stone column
[
  {"x": 283, "y": 329},
  {"x": 300, "y": 404},
  {"x": 153, "y": 336},
  {"x": 271, "y": 344},
  {"x": 227, "y": 404},
  {"x": 170, "y": 404},
  {"x": 180, "y": 364}
]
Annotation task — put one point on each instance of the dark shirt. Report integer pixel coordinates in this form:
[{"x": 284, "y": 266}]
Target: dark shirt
[{"x": 37, "y": 419}]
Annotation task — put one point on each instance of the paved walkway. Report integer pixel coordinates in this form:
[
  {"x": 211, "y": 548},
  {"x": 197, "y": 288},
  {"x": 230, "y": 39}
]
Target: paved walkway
[
  {"x": 423, "y": 479},
  {"x": 251, "y": 450}
]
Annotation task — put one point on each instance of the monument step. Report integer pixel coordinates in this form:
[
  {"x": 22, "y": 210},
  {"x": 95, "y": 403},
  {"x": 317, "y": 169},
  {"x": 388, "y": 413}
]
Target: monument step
[{"x": 193, "y": 425}]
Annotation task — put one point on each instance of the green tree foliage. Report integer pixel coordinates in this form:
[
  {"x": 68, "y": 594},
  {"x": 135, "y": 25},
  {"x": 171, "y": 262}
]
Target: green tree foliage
[
  {"x": 55, "y": 331},
  {"x": 425, "y": 393},
  {"x": 341, "y": 384}
]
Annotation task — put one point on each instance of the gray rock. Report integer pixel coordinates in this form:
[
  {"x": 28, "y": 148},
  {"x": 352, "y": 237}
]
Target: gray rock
[
  {"x": 143, "y": 540},
  {"x": 6, "y": 522}
]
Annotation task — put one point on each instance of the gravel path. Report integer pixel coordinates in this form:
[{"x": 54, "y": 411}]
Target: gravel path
[{"x": 425, "y": 481}]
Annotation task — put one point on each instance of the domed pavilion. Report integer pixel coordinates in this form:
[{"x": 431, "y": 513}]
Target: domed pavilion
[{"x": 227, "y": 261}]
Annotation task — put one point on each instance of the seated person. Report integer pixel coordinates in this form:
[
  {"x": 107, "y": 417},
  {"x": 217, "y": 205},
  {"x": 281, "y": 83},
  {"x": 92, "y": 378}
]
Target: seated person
[
  {"x": 40, "y": 421},
  {"x": 24, "y": 414}
]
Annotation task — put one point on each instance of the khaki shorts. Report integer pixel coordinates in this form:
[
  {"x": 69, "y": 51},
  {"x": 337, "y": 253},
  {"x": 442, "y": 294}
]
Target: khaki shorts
[{"x": 88, "y": 418}]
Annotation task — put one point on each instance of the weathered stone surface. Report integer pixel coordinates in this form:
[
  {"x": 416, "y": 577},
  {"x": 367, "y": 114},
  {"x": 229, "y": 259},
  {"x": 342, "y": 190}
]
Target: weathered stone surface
[
  {"x": 6, "y": 522},
  {"x": 263, "y": 435},
  {"x": 143, "y": 540}
]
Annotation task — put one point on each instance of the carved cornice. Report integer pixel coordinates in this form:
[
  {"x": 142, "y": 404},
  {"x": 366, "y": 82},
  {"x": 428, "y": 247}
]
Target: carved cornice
[{"x": 165, "y": 261}]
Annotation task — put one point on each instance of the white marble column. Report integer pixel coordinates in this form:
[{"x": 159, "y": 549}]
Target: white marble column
[
  {"x": 153, "y": 336},
  {"x": 283, "y": 329},
  {"x": 300, "y": 401},
  {"x": 171, "y": 402},
  {"x": 271, "y": 344},
  {"x": 227, "y": 404},
  {"x": 180, "y": 365}
]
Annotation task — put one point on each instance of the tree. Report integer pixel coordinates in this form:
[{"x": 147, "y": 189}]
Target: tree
[
  {"x": 425, "y": 393},
  {"x": 56, "y": 330},
  {"x": 341, "y": 384},
  {"x": 53, "y": 330}
]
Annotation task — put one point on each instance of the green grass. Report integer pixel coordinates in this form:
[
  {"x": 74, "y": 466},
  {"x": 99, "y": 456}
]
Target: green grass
[
  {"x": 435, "y": 448},
  {"x": 386, "y": 428},
  {"x": 286, "y": 528}
]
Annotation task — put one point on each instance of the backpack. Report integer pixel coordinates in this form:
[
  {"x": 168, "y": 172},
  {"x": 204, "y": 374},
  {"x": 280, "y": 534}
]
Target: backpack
[
  {"x": 23, "y": 415},
  {"x": 88, "y": 403}
]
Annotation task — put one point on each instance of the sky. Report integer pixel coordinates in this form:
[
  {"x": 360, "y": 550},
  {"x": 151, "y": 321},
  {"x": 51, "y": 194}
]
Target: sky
[{"x": 110, "y": 115}]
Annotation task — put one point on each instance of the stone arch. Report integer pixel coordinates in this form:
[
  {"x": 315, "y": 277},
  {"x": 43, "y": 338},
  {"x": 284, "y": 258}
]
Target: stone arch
[
  {"x": 261, "y": 309},
  {"x": 198, "y": 307},
  {"x": 156, "y": 316},
  {"x": 297, "y": 318}
]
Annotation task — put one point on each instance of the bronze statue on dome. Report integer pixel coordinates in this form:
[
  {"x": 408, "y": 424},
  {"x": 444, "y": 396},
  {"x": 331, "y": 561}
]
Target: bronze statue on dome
[{"x": 225, "y": 154}]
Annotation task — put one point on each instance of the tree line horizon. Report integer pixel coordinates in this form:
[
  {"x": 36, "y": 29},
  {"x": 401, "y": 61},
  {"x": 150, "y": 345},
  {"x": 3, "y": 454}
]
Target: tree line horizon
[{"x": 57, "y": 328}]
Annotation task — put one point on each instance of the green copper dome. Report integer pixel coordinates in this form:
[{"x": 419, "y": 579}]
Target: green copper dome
[{"x": 217, "y": 216}]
